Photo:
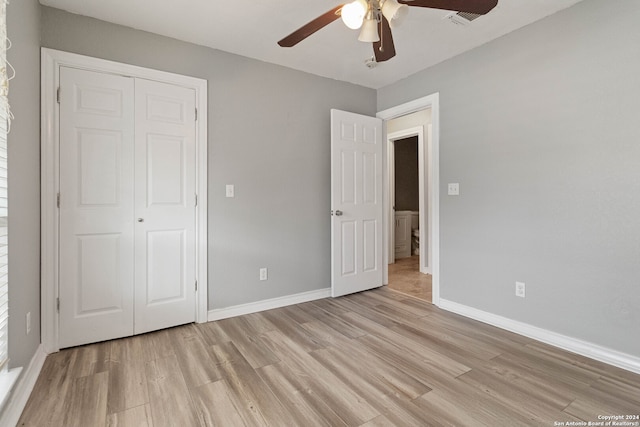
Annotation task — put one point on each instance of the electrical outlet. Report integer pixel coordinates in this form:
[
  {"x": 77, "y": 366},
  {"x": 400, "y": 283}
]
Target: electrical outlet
[
  {"x": 520, "y": 288},
  {"x": 263, "y": 273},
  {"x": 28, "y": 323},
  {"x": 453, "y": 189}
]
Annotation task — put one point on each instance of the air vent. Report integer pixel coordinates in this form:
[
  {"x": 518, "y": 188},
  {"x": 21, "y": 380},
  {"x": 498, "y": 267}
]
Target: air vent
[{"x": 462, "y": 18}]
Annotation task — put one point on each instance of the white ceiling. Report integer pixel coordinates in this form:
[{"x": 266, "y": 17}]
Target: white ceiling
[{"x": 253, "y": 27}]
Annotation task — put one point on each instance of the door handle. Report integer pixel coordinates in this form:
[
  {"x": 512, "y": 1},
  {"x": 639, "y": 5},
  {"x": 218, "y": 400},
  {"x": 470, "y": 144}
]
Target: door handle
[
  {"x": 339, "y": 213},
  {"x": 140, "y": 219}
]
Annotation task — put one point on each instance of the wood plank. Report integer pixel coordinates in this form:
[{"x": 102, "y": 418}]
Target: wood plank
[
  {"x": 411, "y": 347},
  {"x": 127, "y": 385},
  {"x": 193, "y": 357},
  {"x": 256, "y": 404},
  {"x": 303, "y": 407},
  {"x": 247, "y": 342},
  {"x": 88, "y": 401},
  {"x": 398, "y": 381},
  {"x": 212, "y": 333},
  {"x": 140, "y": 416},
  {"x": 215, "y": 406},
  {"x": 349, "y": 406},
  {"x": 169, "y": 397},
  {"x": 289, "y": 327},
  {"x": 55, "y": 380}
]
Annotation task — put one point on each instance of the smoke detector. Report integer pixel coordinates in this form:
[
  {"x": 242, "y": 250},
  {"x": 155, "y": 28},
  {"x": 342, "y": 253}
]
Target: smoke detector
[
  {"x": 462, "y": 18},
  {"x": 371, "y": 62}
]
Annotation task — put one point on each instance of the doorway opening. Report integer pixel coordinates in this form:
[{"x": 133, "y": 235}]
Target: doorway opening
[
  {"x": 412, "y": 228},
  {"x": 409, "y": 266}
]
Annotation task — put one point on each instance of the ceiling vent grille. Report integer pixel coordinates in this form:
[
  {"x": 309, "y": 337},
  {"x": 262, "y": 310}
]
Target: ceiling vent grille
[{"x": 462, "y": 18}]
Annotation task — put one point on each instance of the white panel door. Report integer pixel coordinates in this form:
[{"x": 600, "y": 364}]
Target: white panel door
[
  {"x": 165, "y": 200},
  {"x": 356, "y": 203},
  {"x": 96, "y": 207}
]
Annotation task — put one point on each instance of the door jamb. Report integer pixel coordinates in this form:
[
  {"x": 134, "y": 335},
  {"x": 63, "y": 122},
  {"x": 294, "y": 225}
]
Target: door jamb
[
  {"x": 422, "y": 186},
  {"x": 51, "y": 61},
  {"x": 433, "y": 159}
]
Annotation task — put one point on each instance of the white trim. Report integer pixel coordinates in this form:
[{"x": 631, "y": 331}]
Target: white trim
[
  {"x": 269, "y": 304},
  {"x": 18, "y": 399},
  {"x": 574, "y": 345},
  {"x": 423, "y": 184},
  {"x": 433, "y": 171},
  {"x": 51, "y": 61}
]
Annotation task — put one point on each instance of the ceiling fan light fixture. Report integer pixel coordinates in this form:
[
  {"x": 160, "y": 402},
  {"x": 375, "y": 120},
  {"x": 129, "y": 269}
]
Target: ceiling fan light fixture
[
  {"x": 369, "y": 31},
  {"x": 353, "y": 13},
  {"x": 394, "y": 12}
]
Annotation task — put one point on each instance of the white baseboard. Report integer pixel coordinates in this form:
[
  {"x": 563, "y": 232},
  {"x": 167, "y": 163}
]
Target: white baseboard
[
  {"x": 574, "y": 345},
  {"x": 254, "y": 307},
  {"x": 20, "y": 395}
]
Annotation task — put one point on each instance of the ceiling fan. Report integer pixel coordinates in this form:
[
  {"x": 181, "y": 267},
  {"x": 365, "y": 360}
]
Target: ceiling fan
[{"x": 376, "y": 18}]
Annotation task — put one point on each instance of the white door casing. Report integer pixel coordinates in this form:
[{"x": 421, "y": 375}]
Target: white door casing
[
  {"x": 433, "y": 176},
  {"x": 53, "y": 62},
  {"x": 356, "y": 203},
  {"x": 165, "y": 206},
  {"x": 96, "y": 206}
]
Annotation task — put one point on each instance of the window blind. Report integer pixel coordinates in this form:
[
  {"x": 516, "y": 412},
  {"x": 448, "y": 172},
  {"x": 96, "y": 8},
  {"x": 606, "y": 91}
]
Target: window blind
[{"x": 5, "y": 116}]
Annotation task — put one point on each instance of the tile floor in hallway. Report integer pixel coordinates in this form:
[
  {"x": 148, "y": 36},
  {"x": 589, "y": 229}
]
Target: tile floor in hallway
[{"x": 405, "y": 277}]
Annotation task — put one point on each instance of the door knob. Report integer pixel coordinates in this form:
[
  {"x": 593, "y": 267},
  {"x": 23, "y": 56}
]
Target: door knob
[
  {"x": 140, "y": 219},
  {"x": 338, "y": 213}
]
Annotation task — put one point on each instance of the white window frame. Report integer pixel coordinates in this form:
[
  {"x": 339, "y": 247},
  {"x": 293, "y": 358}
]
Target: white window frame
[{"x": 51, "y": 61}]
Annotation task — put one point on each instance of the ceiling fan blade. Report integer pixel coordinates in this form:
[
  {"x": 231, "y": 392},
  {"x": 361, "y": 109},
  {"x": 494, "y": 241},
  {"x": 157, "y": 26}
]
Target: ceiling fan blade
[
  {"x": 306, "y": 30},
  {"x": 479, "y": 7},
  {"x": 384, "y": 49}
]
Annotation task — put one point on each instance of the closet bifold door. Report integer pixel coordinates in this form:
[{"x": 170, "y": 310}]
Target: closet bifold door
[
  {"x": 96, "y": 264},
  {"x": 165, "y": 205}
]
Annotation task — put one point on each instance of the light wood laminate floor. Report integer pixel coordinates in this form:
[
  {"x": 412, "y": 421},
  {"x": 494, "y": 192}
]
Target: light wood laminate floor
[
  {"x": 405, "y": 277},
  {"x": 377, "y": 358}
]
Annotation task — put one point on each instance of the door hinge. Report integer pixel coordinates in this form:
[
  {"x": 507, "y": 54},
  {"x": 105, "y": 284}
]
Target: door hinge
[
  {"x": 196, "y": 286},
  {"x": 196, "y": 114},
  {"x": 196, "y": 200},
  {"x": 58, "y": 304},
  {"x": 58, "y": 200},
  {"x": 58, "y": 95}
]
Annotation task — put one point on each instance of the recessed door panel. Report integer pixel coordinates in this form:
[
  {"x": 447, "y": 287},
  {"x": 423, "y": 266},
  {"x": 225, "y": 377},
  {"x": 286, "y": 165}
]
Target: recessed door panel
[
  {"x": 166, "y": 109},
  {"x": 96, "y": 100},
  {"x": 348, "y": 177},
  {"x": 370, "y": 176},
  {"x": 100, "y": 153},
  {"x": 166, "y": 174},
  {"x": 99, "y": 290},
  {"x": 370, "y": 236},
  {"x": 348, "y": 234},
  {"x": 165, "y": 266}
]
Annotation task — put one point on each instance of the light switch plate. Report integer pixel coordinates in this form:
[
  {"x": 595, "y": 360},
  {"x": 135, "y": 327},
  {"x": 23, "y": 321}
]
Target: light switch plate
[
  {"x": 453, "y": 189},
  {"x": 230, "y": 190}
]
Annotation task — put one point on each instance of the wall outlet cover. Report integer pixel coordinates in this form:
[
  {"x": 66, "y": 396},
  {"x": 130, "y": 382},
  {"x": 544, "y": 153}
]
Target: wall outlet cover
[{"x": 520, "y": 289}]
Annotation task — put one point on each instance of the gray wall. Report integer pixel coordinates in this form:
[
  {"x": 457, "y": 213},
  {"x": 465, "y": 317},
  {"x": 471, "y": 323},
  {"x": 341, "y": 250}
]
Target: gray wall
[
  {"x": 23, "y": 24},
  {"x": 268, "y": 135},
  {"x": 406, "y": 168},
  {"x": 540, "y": 128}
]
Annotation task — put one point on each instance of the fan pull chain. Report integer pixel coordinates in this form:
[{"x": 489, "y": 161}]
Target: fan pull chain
[{"x": 381, "y": 35}]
